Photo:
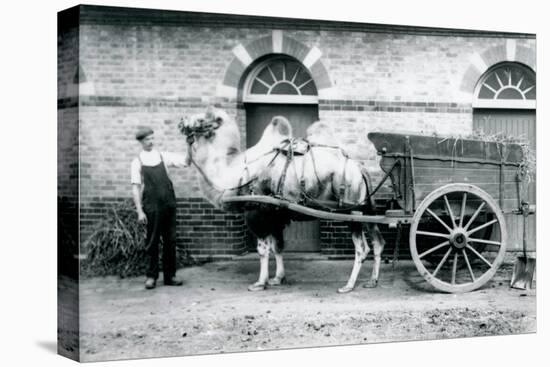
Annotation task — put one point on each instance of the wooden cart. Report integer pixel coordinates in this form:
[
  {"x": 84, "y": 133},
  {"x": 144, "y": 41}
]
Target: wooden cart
[{"x": 453, "y": 194}]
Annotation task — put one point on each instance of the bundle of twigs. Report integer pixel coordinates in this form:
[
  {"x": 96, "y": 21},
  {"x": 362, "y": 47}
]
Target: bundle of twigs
[
  {"x": 117, "y": 246},
  {"x": 529, "y": 158}
]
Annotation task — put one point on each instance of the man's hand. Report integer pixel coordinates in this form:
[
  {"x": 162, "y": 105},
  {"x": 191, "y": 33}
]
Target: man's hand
[
  {"x": 142, "y": 218},
  {"x": 136, "y": 194}
]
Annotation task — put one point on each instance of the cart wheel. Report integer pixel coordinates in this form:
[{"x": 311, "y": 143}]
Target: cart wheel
[
  {"x": 432, "y": 225},
  {"x": 457, "y": 207}
]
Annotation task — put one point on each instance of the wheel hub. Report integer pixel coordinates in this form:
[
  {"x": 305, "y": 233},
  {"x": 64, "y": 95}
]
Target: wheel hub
[{"x": 458, "y": 238}]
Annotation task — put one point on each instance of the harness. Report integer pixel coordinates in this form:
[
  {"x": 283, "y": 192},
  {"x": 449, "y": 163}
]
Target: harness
[{"x": 290, "y": 148}]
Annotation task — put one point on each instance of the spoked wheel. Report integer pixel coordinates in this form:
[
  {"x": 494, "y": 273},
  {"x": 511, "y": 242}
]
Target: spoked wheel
[
  {"x": 463, "y": 239},
  {"x": 430, "y": 224}
]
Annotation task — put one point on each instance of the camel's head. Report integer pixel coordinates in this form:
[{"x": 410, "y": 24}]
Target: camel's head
[
  {"x": 202, "y": 124},
  {"x": 214, "y": 128}
]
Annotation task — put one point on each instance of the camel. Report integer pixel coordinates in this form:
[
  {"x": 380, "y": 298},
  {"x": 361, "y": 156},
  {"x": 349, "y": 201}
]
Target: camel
[{"x": 323, "y": 174}]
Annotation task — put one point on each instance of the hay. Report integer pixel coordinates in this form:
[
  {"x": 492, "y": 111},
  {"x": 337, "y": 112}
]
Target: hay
[
  {"x": 528, "y": 165},
  {"x": 117, "y": 245}
]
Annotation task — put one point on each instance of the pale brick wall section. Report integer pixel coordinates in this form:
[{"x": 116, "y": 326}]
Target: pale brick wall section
[
  {"x": 351, "y": 129},
  {"x": 67, "y": 153},
  {"x": 67, "y": 63},
  {"x": 161, "y": 62},
  {"x": 67, "y": 114},
  {"x": 400, "y": 67}
]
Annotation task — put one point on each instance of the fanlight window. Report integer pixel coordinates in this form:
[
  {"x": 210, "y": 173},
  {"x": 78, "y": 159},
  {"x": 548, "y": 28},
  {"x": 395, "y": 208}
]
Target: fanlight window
[
  {"x": 507, "y": 86},
  {"x": 281, "y": 81}
]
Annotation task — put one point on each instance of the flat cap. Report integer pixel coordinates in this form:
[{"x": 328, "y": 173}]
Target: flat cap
[{"x": 143, "y": 132}]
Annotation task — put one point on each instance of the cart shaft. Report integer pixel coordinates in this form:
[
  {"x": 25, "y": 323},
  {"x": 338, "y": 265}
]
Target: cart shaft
[{"x": 321, "y": 214}]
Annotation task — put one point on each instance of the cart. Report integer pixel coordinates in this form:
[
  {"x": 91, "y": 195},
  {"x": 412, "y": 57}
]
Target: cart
[{"x": 453, "y": 193}]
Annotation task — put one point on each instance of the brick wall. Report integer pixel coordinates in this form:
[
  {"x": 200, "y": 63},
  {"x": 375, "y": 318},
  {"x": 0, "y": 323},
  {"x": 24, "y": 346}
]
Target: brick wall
[
  {"x": 336, "y": 241},
  {"x": 208, "y": 232},
  {"x": 151, "y": 68}
]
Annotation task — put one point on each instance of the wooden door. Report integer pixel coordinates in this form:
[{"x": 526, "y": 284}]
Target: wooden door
[
  {"x": 517, "y": 123},
  {"x": 299, "y": 236}
]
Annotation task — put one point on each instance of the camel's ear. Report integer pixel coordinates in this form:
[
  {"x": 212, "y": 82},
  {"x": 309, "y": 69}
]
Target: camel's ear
[
  {"x": 183, "y": 123},
  {"x": 282, "y": 125},
  {"x": 210, "y": 113}
]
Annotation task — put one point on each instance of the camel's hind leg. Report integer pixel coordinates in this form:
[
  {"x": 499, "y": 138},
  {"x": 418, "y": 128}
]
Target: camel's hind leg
[
  {"x": 377, "y": 246},
  {"x": 361, "y": 251},
  {"x": 263, "y": 250}
]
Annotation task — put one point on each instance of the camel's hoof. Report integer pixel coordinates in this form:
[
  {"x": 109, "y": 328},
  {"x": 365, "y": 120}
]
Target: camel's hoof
[
  {"x": 345, "y": 289},
  {"x": 277, "y": 281},
  {"x": 371, "y": 284},
  {"x": 256, "y": 287}
]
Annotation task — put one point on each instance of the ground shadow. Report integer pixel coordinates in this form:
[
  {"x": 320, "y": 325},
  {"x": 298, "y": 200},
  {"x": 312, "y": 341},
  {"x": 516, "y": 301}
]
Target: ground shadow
[
  {"x": 48, "y": 345},
  {"x": 412, "y": 278}
]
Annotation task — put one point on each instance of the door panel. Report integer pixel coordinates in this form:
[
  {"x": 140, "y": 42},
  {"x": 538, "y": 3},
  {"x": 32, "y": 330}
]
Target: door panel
[
  {"x": 517, "y": 123},
  {"x": 299, "y": 236},
  {"x": 259, "y": 115}
]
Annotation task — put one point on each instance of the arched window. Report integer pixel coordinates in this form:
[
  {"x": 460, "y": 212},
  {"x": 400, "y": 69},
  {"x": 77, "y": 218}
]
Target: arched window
[
  {"x": 280, "y": 80},
  {"x": 507, "y": 85}
]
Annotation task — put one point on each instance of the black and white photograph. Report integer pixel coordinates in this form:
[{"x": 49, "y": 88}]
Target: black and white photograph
[
  {"x": 380, "y": 167},
  {"x": 232, "y": 181}
]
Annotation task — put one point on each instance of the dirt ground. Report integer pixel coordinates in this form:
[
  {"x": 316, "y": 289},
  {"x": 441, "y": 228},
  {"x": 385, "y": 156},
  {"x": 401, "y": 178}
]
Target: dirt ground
[{"x": 214, "y": 313}]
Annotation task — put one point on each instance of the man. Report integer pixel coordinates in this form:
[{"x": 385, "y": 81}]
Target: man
[{"x": 155, "y": 201}]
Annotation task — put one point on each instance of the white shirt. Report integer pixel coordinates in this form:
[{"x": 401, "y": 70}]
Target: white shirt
[{"x": 152, "y": 158}]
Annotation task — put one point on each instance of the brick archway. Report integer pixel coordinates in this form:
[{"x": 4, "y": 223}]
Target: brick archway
[
  {"x": 276, "y": 43},
  {"x": 509, "y": 50}
]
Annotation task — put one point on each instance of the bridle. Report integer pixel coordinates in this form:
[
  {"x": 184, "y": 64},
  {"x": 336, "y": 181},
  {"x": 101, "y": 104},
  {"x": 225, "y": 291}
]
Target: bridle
[{"x": 207, "y": 129}]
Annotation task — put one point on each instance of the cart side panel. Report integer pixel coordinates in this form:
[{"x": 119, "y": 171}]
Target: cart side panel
[
  {"x": 486, "y": 177},
  {"x": 389, "y": 143},
  {"x": 430, "y": 175},
  {"x": 437, "y": 164}
]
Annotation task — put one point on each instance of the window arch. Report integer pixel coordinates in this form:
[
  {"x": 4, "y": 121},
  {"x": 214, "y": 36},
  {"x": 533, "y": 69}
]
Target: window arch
[
  {"x": 280, "y": 80},
  {"x": 507, "y": 85}
]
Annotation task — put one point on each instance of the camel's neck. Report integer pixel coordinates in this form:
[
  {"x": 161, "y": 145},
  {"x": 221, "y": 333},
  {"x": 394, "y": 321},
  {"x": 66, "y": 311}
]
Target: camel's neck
[
  {"x": 219, "y": 174},
  {"x": 222, "y": 174},
  {"x": 223, "y": 167}
]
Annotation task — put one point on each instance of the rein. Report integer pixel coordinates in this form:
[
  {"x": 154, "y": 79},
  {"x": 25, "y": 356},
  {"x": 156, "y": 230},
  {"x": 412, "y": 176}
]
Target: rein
[{"x": 209, "y": 182}]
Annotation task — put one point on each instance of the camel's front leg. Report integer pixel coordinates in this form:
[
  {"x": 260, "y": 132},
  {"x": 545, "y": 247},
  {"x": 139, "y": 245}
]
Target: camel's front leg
[
  {"x": 263, "y": 251},
  {"x": 280, "y": 272},
  {"x": 361, "y": 252},
  {"x": 377, "y": 247}
]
